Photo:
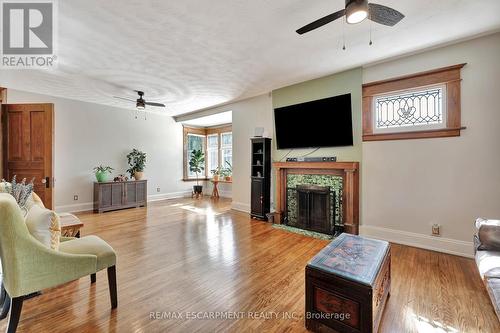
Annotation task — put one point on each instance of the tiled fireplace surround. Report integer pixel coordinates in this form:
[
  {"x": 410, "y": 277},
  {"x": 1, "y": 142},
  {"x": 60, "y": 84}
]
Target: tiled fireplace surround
[{"x": 341, "y": 177}]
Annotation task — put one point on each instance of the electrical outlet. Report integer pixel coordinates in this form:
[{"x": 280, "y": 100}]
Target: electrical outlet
[
  {"x": 436, "y": 230},
  {"x": 75, "y": 197},
  {"x": 157, "y": 189}
]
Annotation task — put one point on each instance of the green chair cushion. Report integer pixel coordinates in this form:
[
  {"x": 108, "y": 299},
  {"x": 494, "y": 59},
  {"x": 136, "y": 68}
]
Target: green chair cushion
[{"x": 105, "y": 254}]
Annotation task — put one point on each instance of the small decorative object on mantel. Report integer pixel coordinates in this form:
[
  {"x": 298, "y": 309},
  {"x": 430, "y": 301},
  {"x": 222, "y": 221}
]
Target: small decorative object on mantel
[
  {"x": 197, "y": 165},
  {"x": 101, "y": 173},
  {"x": 137, "y": 162},
  {"x": 120, "y": 178}
]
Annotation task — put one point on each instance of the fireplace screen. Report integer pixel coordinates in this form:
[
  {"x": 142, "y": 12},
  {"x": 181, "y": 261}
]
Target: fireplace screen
[{"x": 314, "y": 202}]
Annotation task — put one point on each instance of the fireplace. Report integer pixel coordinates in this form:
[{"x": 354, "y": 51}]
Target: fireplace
[
  {"x": 313, "y": 208},
  {"x": 318, "y": 196}
]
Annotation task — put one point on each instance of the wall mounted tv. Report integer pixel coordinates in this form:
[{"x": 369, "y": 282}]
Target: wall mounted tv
[{"x": 321, "y": 123}]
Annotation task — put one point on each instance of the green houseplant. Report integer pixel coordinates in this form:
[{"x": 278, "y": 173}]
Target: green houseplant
[
  {"x": 137, "y": 163},
  {"x": 101, "y": 172},
  {"x": 197, "y": 165},
  {"x": 216, "y": 173},
  {"x": 227, "y": 173}
]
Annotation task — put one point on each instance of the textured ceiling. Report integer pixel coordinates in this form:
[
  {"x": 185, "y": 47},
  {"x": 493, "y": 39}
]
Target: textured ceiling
[{"x": 193, "y": 54}]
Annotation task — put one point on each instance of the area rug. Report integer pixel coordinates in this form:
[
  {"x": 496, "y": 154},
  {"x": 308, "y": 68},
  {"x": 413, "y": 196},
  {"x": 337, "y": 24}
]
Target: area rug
[{"x": 303, "y": 232}]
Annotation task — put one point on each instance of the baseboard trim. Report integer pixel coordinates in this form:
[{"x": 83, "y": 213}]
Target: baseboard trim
[
  {"x": 240, "y": 206},
  {"x": 165, "y": 196},
  {"x": 86, "y": 206},
  {"x": 439, "y": 244}
]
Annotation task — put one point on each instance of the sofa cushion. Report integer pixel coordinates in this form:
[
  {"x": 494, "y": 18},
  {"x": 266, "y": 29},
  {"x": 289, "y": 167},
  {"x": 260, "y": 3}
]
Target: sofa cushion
[
  {"x": 488, "y": 234},
  {"x": 493, "y": 287},
  {"x": 43, "y": 224},
  {"x": 488, "y": 263},
  {"x": 105, "y": 254}
]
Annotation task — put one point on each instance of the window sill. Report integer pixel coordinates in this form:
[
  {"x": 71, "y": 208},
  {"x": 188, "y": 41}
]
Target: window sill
[
  {"x": 438, "y": 133},
  {"x": 194, "y": 179}
]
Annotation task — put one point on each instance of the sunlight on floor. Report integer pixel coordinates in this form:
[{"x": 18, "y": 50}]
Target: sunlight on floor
[
  {"x": 425, "y": 325},
  {"x": 208, "y": 211}
]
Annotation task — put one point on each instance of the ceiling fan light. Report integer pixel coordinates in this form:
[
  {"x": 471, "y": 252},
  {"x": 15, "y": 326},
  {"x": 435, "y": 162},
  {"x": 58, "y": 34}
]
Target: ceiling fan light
[
  {"x": 357, "y": 17},
  {"x": 140, "y": 105},
  {"x": 356, "y": 11}
]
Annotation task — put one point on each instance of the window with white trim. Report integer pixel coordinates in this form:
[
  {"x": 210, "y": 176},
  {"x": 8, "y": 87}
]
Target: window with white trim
[
  {"x": 216, "y": 143},
  {"x": 227, "y": 149},
  {"x": 212, "y": 151},
  {"x": 417, "y": 109},
  {"x": 194, "y": 142}
]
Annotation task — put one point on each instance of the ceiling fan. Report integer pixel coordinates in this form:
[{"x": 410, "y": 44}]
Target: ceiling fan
[
  {"x": 355, "y": 12},
  {"x": 141, "y": 103}
]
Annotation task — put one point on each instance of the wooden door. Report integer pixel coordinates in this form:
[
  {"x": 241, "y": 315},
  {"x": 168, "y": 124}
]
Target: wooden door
[{"x": 28, "y": 144}]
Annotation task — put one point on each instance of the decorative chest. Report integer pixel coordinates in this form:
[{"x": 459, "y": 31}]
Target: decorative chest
[{"x": 347, "y": 285}]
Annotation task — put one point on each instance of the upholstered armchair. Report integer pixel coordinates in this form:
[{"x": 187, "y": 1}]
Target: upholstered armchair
[{"x": 29, "y": 266}]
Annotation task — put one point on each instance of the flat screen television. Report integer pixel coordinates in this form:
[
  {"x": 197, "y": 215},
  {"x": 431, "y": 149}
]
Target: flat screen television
[{"x": 322, "y": 123}]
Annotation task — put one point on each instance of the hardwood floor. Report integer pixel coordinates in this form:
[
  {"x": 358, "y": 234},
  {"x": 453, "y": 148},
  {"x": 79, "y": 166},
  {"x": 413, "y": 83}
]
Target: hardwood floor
[{"x": 186, "y": 256}]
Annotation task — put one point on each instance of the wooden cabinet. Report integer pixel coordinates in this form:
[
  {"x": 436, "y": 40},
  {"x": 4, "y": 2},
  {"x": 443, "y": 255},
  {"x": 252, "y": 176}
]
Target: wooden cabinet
[
  {"x": 261, "y": 178},
  {"x": 119, "y": 195}
]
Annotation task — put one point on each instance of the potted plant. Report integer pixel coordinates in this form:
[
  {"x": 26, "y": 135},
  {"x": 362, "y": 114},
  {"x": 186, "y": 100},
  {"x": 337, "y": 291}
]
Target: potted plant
[
  {"x": 101, "y": 173},
  {"x": 137, "y": 162},
  {"x": 197, "y": 165},
  {"x": 216, "y": 173},
  {"x": 228, "y": 172}
]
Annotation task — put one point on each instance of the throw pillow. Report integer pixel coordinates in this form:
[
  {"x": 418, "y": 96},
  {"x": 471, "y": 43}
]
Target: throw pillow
[
  {"x": 44, "y": 225},
  {"x": 488, "y": 234},
  {"x": 20, "y": 191}
]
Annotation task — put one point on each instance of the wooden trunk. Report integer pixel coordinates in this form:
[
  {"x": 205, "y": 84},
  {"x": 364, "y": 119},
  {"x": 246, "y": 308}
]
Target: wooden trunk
[
  {"x": 119, "y": 195},
  {"x": 338, "y": 303}
]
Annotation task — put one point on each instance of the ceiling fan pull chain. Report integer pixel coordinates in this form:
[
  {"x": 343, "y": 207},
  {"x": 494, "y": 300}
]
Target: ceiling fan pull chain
[
  {"x": 370, "y": 34},
  {"x": 343, "y": 34}
]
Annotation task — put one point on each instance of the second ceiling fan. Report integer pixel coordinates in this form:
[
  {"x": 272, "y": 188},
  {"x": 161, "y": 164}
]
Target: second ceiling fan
[{"x": 355, "y": 12}]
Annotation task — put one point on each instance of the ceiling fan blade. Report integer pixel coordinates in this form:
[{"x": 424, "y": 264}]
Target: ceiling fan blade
[
  {"x": 321, "y": 22},
  {"x": 384, "y": 15},
  {"x": 126, "y": 99},
  {"x": 155, "y": 104}
]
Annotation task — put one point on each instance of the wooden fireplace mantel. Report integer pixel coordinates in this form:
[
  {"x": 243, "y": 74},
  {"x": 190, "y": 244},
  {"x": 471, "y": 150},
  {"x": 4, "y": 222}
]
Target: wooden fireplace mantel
[{"x": 350, "y": 197}]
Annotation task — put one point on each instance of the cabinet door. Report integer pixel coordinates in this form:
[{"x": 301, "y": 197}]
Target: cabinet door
[
  {"x": 130, "y": 193},
  {"x": 105, "y": 195},
  {"x": 257, "y": 197},
  {"x": 116, "y": 195},
  {"x": 141, "y": 192}
]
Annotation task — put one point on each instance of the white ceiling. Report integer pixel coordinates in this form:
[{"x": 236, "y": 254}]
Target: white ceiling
[
  {"x": 211, "y": 120},
  {"x": 193, "y": 54}
]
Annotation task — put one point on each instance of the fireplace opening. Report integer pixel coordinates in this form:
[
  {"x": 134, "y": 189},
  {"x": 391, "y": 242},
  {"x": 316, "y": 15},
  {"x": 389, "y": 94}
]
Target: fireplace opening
[{"x": 313, "y": 209}]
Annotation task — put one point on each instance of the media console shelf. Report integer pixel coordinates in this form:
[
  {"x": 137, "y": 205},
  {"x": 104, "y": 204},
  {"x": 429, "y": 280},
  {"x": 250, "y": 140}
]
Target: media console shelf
[
  {"x": 119, "y": 195},
  {"x": 260, "y": 178}
]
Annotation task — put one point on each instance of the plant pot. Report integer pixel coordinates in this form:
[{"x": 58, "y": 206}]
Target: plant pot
[
  {"x": 101, "y": 176},
  {"x": 198, "y": 189},
  {"x": 229, "y": 178},
  {"x": 138, "y": 175},
  {"x": 215, "y": 178}
]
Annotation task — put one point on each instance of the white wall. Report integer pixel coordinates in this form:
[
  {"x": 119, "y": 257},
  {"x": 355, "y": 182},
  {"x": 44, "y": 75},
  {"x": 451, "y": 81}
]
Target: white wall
[
  {"x": 89, "y": 134},
  {"x": 410, "y": 184},
  {"x": 247, "y": 114}
]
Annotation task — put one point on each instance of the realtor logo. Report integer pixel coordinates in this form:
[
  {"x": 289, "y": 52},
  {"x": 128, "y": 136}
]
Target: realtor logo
[{"x": 27, "y": 34}]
